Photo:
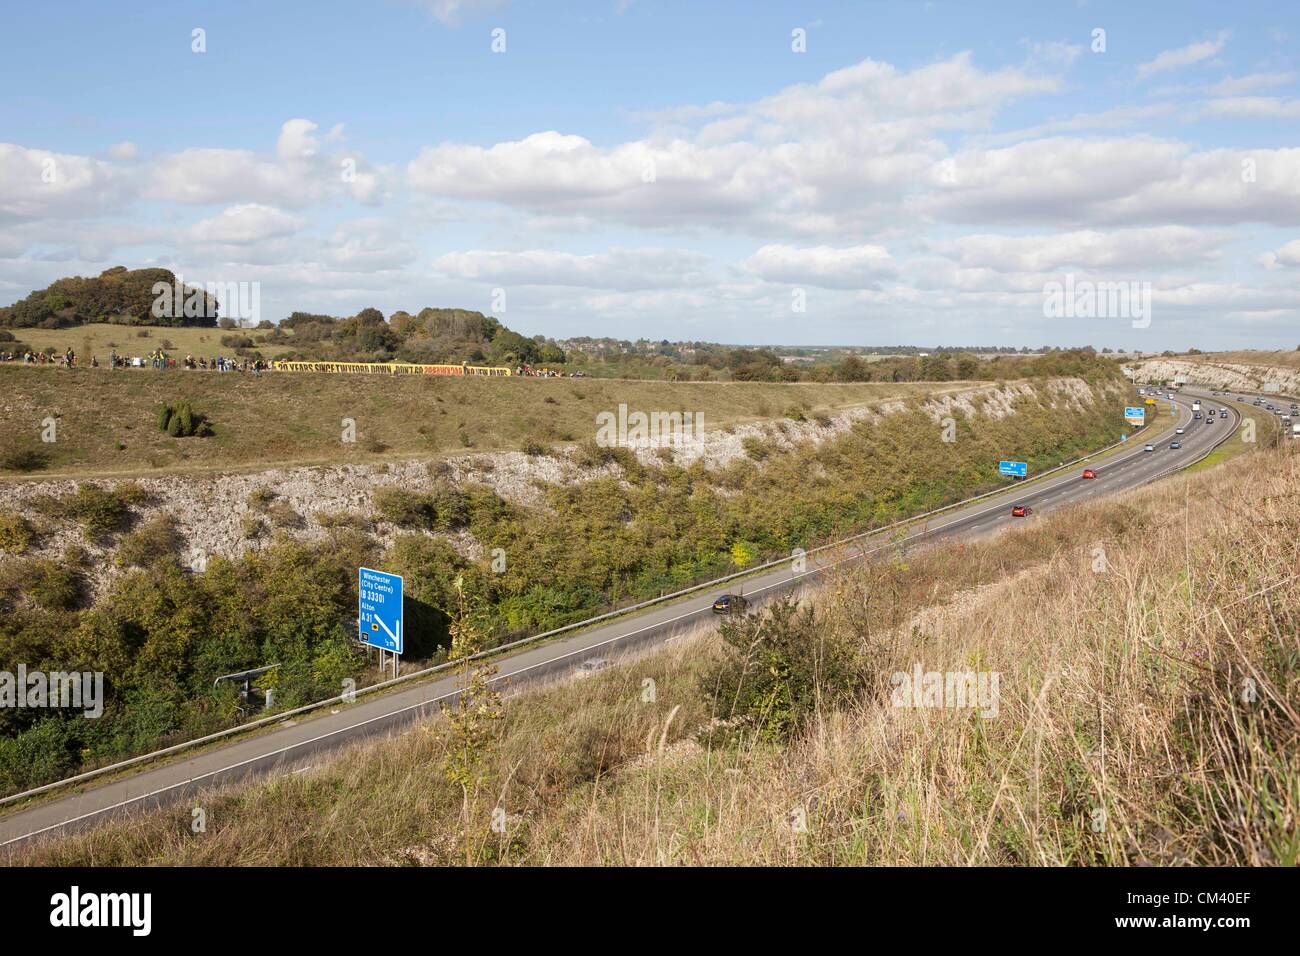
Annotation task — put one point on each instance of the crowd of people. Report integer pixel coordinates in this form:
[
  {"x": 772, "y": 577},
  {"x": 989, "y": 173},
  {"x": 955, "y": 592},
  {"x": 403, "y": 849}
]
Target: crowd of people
[
  {"x": 157, "y": 359},
  {"x": 68, "y": 359},
  {"x": 532, "y": 372}
]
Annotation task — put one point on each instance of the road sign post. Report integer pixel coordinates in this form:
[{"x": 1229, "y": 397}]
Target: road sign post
[
  {"x": 1135, "y": 415},
  {"x": 380, "y": 622}
]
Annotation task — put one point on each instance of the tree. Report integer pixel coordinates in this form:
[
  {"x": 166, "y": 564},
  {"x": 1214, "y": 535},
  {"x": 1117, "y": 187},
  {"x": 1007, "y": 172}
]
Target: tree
[{"x": 477, "y": 708}]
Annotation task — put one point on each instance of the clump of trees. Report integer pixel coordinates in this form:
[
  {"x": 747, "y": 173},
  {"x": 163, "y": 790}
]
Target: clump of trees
[
  {"x": 117, "y": 295},
  {"x": 433, "y": 336},
  {"x": 180, "y": 420}
]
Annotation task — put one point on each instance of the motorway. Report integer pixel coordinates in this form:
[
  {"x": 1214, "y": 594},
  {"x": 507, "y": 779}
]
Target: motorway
[{"x": 293, "y": 742}]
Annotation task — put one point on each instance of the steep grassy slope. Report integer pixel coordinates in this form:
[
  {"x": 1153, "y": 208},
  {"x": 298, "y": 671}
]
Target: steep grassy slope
[
  {"x": 100, "y": 339},
  {"x": 99, "y": 575},
  {"x": 1147, "y": 712},
  {"x": 107, "y": 419}
]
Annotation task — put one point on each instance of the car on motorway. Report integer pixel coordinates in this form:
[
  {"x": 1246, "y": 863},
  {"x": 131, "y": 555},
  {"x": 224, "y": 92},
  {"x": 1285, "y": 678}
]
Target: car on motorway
[
  {"x": 1089, "y": 473},
  {"x": 730, "y": 604},
  {"x": 1149, "y": 447},
  {"x": 1178, "y": 431},
  {"x": 1197, "y": 415},
  {"x": 1021, "y": 511},
  {"x": 1175, "y": 444}
]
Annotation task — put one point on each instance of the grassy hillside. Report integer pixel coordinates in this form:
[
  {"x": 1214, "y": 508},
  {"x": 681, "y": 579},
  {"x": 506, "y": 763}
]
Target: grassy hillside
[
  {"x": 96, "y": 575},
  {"x": 101, "y": 338},
  {"x": 1289, "y": 359},
  {"x": 107, "y": 418},
  {"x": 1147, "y": 713}
]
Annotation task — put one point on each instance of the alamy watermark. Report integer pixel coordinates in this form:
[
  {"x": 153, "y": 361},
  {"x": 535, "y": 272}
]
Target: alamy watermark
[
  {"x": 952, "y": 690},
  {"x": 241, "y": 301},
  {"x": 75, "y": 690},
  {"x": 1085, "y": 299},
  {"x": 648, "y": 430}
]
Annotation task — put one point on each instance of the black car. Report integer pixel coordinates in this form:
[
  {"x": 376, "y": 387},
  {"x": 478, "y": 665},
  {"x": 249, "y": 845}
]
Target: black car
[{"x": 730, "y": 604}]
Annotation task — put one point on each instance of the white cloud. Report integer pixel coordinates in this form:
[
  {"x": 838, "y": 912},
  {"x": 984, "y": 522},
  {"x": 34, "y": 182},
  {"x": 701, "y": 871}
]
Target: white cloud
[
  {"x": 453, "y": 12},
  {"x": 1255, "y": 107},
  {"x": 1125, "y": 249},
  {"x": 1116, "y": 181},
  {"x": 298, "y": 175},
  {"x": 1183, "y": 56},
  {"x": 623, "y": 269},
  {"x": 125, "y": 151},
  {"x": 37, "y": 184},
  {"x": 852, "y": 267},
  {"x": 246, "y": 223},
  {"x": 1241, "y": 86},
  {"x": 1286, "y": 257},
  {"x": 834, "y": 156}
]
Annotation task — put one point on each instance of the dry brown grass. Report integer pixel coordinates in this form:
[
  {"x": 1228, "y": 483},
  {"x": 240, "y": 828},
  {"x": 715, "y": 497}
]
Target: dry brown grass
[
  {"x": 106, "y": 419},
  {"x": 1280, "y": 359},
  {"x": 1149, "y": 713}
]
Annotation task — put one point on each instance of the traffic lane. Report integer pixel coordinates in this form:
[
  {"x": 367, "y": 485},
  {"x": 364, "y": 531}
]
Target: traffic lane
[
  {"x": 295, "y": 741},
  {"x": 1131, "y": 471}
]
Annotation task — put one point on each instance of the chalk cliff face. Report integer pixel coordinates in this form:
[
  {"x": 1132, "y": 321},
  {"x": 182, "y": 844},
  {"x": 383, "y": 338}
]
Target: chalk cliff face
[
  {"x": 1233, "y": 376},
  {"x": 212, "y": 511}
]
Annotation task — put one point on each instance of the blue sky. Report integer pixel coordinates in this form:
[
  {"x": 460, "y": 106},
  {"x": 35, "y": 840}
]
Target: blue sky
[{"x": 918, "y": 174}]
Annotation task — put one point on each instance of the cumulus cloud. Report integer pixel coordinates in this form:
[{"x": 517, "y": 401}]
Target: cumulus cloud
[
  {"x": 1129, "y": 248},
  {"x": 1287, "y": 257},
  {"x": 623, "y": 269},
  {"x": 835, "y": 155},
  {"x": 298, "y": 174},
  {"x": 851, "y": 267},
  {"x": 1117, "y": 181},
  {"x": 37, "y": 184},
  {"x": 250, "y": 222}
]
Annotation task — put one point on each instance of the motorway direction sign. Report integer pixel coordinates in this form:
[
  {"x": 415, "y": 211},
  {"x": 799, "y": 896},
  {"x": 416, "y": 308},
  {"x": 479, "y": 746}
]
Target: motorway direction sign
[
  {"x": 1135, "y": 415},
  {"x": 379, "y": 610},
  {"x": 1017, "y": 469}
]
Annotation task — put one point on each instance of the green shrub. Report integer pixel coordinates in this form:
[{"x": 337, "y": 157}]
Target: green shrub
[
  {"x": 781, "y": 666},
  {"x": 535, "y": 449},
  {"x": 406, "y": 509},
  {"x": 260, "y": 498},
  {"x": 180, "y": 420},
  {"x": 283, "y": 515},
  {"x": 98, "y": 511},
  {"x": 157, "y": 539},
  {"x": 16, "y": 534},
  {"x": 344, "y": 519},
  {"x": 755, "y": 447}
]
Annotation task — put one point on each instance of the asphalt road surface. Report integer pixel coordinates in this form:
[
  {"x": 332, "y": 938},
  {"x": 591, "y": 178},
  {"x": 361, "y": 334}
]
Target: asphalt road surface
[{"x": 293, "y": 743}]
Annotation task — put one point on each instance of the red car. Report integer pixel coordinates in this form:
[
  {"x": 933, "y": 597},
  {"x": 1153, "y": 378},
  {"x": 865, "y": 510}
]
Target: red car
[
  {"x": 1021, "y": 511},
  {"x": 1089, "y": 473}
]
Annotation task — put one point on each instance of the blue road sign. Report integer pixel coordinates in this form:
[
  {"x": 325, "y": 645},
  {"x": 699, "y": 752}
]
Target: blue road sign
[
  {"x": 1135, "y": 414},
  {"x": 379, "y": 610},
  {"x": 1017, "y": 469}
]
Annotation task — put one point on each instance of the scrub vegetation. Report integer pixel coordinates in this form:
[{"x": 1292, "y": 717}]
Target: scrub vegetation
[
  {"x": 1147, "y": 714},
  {"x": 161, "y": 632}
]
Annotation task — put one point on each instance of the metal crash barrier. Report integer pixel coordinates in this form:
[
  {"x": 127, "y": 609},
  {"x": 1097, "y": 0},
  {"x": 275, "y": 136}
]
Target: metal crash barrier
[{"x": 390, "y": 368}]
